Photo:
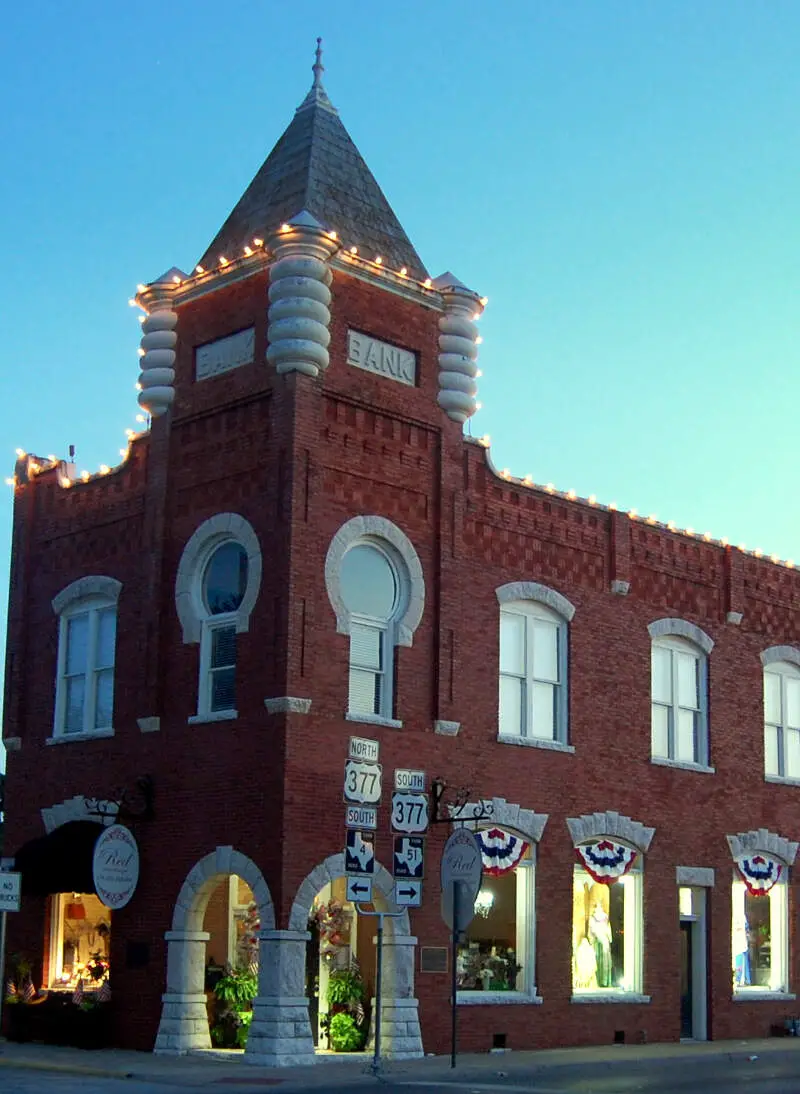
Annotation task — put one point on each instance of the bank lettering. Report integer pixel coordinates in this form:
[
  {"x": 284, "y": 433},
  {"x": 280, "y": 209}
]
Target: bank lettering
[{"x": 381, "y": 358}]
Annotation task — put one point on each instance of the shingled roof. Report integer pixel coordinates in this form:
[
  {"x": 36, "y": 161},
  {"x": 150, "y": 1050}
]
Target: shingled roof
[{"x": 316, "y": 167}]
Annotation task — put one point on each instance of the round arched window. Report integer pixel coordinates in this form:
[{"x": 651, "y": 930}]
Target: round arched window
[
  {"x": 225, "y": 579},
  {"x": 369, "y": 582}
]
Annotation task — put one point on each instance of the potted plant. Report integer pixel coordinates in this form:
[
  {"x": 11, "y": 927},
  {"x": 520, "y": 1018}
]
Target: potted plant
[
  {"x": 233, "y": 1011},
  {"x": 346, "y": 1019}
]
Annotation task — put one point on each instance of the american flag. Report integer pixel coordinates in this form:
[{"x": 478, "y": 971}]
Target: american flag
[
  {"x": 29, "y": 991},
  {"x": 104, "y": 995},
  {"x": 77, "y": 995},
  {"x": 11, "y": 989}
]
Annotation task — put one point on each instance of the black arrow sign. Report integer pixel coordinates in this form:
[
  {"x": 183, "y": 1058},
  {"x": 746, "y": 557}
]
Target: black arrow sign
[
  {"x": 406, "y": 892},
  {"x": 359, "y": 888}
]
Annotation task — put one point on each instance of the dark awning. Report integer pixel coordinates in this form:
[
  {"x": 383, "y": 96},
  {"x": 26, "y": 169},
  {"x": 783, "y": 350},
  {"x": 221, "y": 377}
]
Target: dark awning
[{"x": 60, "y": 862}]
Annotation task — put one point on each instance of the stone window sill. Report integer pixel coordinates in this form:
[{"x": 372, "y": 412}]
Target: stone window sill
[
  {"x": 611, "y": 997},
  {"x": 374, "y": 720},
  {"x": 682, "y": 765},
  {"x": 760, "y": 996},
  {"x": 784, "y": 780},
  {"x": 68, "y": 738},
  {"x": 212, "y": 716},
  {"x": 497, "y": 998},
  {"x": 534, "y": 742}
]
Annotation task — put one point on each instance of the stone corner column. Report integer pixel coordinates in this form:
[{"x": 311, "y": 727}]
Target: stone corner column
[
  {"x": 184, "y": 1018},
  {"x": 458, "y": 348},
  {"x": 300, "y": 296},
  {"x": 157, "y": 347},
  {"x": 280, "y": 1033},
  {"x": 401, "y": 1037}
]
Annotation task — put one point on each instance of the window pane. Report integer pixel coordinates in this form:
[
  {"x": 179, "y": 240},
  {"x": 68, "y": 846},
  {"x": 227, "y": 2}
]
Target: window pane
[
  {"x": 225, "y": 579},
  {"x": 512, "y": 643},
  {"x": 223, "y": 647},
  {"x": 660, "y": 670},
  {"x": 604, "y": 934},
  {"x": 792, "y": 693},
  {"x": 511, "y": 693},
  {"x": 73, "y": 718},
  {"x": 365, "y": 692},
  {"x": 792, "y": 739},
  {"x": 545, "y": 651},
  {"x": 659, "y": 733},
  {"x": 80, "y": 936},
  {"x": 772, "y": 698},
  {"x": 687, "y": 667},
  {"x": 489, "y": 958},
  {"x": 77, "y": 643},
  {"x": 685, "y": 736},
  {"x": 104, "y": 699},
  {"x": 544, "y": 714},
  {"x": 771, "y": 750},
  {"x": 223, "y": 689},
  {"x": 106, "y": 638},
  {"x": 368, "y": 582},
  {"x": 365, "y": 647}
]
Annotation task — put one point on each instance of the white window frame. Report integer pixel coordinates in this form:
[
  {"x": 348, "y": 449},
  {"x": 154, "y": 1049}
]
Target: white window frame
[
  {"x": 528, "y": 992},
  {"x": 778, "y": 898},
  {"x": 784, "y": 670},
  {"x": 90, "y": 606},
  {"x": 210, "y": 623},
  {"x": 531, "y": 611},
  {"x": 678, "y": 645},
  {"x": 633, "y": 944}
]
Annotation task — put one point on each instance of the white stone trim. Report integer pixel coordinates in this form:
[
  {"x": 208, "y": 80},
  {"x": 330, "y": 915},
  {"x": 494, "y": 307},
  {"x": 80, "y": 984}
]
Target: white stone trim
[
  {"x": 446, "y": 729},
  {"x": 534, "y": 742},
  {"x": 503, "y": 814},
  {"x": 84, "y": 735},
  {"x": 542, "y": 594},
  {"x": 149, "y": 725},
  {"x": 329, "y": 870},
  {"x": 13, "y": 744},
  {"x": 681, "y": 628},
  {"x": 497, "y": 998},
  {"x": 212, "y": 532},
  {"x": 682, "y": 765},
  {"x": 734, "y": 618},
  {"x": 760, "y": 839},
  {"x": 782, "y": 780},
  {"x": 376, "y": 528},
  {"x": 288, "y": 704},
  {"x": 75, "y": 809},
  {"x": 202, "y": 879},
  {"x": 620, "y": 587},
  {"x": 763, "y": 997},
  {"x": 212, "y": 716},
  {"x": 611, "y": 997},
  {"x": 374, "y": 720},
  {"x": 610, "y": 823},
  {"x": 789, "y": 654},
  {"x": 700, "y": 877},
  {"x": 107, "y": 588}
]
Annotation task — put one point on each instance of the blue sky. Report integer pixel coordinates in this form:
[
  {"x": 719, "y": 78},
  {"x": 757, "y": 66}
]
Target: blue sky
[{"x": 620, "y": 179}]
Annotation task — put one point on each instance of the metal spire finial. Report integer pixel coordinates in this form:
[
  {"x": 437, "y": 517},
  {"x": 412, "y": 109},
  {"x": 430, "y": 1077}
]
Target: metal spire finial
[
  {"x": 317, "y": 96},
  {"x": 318, "y": 68}
]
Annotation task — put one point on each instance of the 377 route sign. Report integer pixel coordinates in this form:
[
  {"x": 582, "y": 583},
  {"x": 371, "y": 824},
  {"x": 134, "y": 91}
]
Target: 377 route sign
[
  {"x": 362, "y": 782},
  {"x": 409, "y": 812}
]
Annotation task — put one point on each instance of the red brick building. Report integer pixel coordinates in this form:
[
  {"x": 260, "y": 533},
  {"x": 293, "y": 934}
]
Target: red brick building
[{"x": 303, "y": 547}]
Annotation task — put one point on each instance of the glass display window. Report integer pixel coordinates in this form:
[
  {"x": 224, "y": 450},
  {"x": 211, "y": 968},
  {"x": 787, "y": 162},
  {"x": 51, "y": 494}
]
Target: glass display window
[
  {"x": 80, "y": 941},
  {"x": 759, "y": 938},
  {"x": 606, "y": 933}
]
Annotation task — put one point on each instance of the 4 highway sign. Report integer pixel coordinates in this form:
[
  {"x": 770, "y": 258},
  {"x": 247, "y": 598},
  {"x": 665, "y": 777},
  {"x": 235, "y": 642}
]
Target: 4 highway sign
[{"x": 359, "y": 852}]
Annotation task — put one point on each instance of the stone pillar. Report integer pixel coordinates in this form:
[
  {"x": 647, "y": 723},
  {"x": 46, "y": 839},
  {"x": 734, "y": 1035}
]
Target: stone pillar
[
  {"x": 280, "y": 1033},
  {"x": 458, "y": 348},
  {"x": 300, "y": 296},
  {"x": 184, "y": 1019},
  {"x": 157, "y": 378},
  {"x": 401, "y": 1038}
]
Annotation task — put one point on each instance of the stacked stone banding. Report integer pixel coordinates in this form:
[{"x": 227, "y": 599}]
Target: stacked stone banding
[
  {"x": 157, "y": 377},
  {"x": 458, "y": 349}
]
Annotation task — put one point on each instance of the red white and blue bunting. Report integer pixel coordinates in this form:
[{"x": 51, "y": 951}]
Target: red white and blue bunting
[
  {"x": 759, "y": 872},
  {"x": 605, "y": 860},
  {"x": 500, "y": 851}
]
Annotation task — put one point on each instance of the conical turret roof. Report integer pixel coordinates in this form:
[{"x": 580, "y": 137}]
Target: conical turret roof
[{"x": 315, "y": 166}]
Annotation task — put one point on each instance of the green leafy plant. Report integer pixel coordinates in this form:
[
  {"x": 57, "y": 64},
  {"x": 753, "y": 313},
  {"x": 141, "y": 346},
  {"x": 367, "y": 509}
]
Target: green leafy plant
[
  {"x": 345, "y": 1036},
  {"x": 345, "y": 987},
  {"x": 237, "y": 988},
  {"x": 234, "y": 993}
]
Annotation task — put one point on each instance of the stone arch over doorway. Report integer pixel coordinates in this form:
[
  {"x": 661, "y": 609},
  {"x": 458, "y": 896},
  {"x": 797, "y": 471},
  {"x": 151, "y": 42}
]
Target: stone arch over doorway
[
  {"x": 184, "y": 1022},
  {"x": 400, "y": 1031}
]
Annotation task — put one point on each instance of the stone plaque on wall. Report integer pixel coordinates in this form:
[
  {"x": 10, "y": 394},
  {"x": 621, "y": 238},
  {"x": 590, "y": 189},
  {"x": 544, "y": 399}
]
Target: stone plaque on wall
[
  {"x": 224, "y": 354},
  {"x": 433, "y": 959},
  {"x": 382, "y": 358}
]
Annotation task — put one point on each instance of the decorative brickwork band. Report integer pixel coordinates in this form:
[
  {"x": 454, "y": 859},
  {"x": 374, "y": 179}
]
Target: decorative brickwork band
[
  {"x": 458, "y": 348},
  {"x": 159, "y": 338},
  {"x": 300, "y": 296}
]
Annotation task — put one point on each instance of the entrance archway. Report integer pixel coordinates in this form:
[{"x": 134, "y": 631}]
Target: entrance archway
[
  {"x": 400, "y": 1031},
  {"x": 184, "y": 1022}
]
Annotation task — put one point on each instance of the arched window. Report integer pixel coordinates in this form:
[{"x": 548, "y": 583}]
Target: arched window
[
  {"x": 782, "y": 714},
  {"x": 679, "y": 692},
  {"x": 87, "y": 611}
]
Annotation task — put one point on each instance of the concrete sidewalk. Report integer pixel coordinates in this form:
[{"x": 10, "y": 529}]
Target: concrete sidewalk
[{"x": 203, "y": 1069}]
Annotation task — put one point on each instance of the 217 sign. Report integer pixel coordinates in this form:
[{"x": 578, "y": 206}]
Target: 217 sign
[
  {"x": 409, "y": 812},
  {"x": 362, "y": 782}
]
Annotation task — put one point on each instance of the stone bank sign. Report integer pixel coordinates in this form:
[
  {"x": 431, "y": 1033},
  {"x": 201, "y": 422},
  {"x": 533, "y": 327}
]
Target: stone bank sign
[{"x": 374, "y": 356}]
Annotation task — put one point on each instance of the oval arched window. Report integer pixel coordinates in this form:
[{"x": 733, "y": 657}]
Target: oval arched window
[{"x": 225, "y": 579}]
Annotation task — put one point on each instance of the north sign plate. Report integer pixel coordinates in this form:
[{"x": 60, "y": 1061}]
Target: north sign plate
[
  {"x": 362, "y": 748},
  {"x": 362, "y": 782}
]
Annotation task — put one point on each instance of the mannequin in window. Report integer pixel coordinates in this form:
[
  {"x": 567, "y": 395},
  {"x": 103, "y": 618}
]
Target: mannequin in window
[
  {"x": 740, "y": 936},
  {"x": 599, "y": 933}
]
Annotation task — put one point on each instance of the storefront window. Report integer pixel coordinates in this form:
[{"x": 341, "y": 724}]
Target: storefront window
[
  {"x": 497, "y": 953},
  {"x": 606, "y": 933},
  {"x": 759, "y": 938},
  {"x": 80, "y": 941}
]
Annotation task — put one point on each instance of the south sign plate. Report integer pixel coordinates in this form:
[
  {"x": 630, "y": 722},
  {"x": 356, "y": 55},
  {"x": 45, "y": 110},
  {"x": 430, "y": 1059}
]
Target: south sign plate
[
  {"x": 361, "y": 816},
  {"x": 409, "y": 812},
  {"x": 404, "y": 779},
  {"x": 362, "y": 782}
]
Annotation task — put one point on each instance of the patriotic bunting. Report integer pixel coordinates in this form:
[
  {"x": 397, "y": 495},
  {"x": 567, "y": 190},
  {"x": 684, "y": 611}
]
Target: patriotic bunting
[
  {"x": 604, "y": 860},
  {"x": 104, "y": 995},
  {"x": 77, "y": 995},
  {"x": 759, "y": 872},
  {"x": 29, "y": 991},
  {"x": 500, "y": 851}
]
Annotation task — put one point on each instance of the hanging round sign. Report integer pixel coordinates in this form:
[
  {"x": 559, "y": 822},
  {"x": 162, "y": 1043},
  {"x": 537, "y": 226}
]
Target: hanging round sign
[{"x": 115, "y": 866}]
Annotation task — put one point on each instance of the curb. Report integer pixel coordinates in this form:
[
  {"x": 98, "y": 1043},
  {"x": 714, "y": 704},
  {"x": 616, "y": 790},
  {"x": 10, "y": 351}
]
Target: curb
[{"x": 64, "y": 1067}]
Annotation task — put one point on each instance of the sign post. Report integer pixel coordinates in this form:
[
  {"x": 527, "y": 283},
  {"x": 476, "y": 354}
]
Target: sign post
[
  {"x": 375, "y": 1066},
  {"x": 461, "y": 875},
  {"x": 10, "y": 886}
]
